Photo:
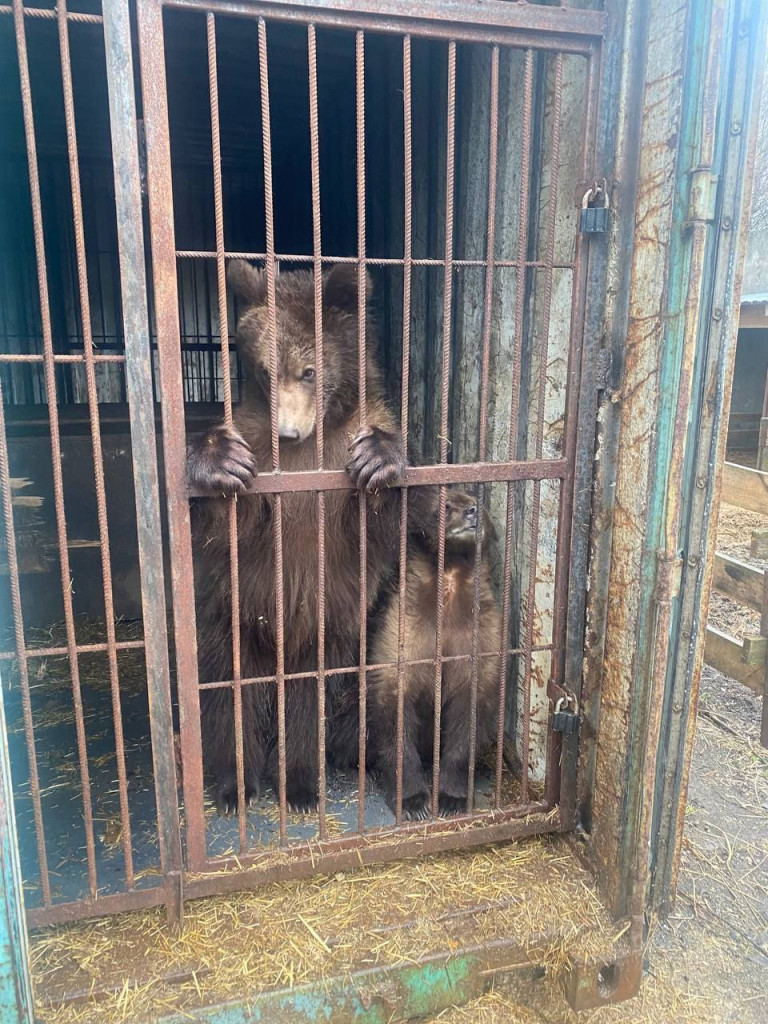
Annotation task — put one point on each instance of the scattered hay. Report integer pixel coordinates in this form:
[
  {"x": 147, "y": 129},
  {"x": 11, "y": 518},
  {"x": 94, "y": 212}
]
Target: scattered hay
[
  {"x": 51, "y": 674},
  {"x": 293, "y": 933}
]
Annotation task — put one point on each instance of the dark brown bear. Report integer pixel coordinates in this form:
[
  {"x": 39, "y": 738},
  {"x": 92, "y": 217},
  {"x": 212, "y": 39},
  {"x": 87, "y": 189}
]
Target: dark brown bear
[
  {"x": 224, "y": 461},
  {"x": 419, "y": 680}
]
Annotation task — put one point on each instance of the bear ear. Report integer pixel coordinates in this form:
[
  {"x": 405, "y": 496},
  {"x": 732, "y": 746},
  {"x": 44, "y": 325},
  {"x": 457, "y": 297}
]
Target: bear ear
[
  {"x": 340, "y": 288},
  {"x": 247, "y": 282}
]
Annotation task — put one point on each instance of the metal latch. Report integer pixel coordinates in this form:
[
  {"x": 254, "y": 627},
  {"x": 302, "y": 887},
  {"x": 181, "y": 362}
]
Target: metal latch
[
  {"x": 566, "y": 715},
  {"x": 594, "y": 212}
]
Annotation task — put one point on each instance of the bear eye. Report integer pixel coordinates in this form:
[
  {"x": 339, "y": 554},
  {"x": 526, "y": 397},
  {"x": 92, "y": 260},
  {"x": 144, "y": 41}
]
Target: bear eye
[{"x": 309, "y": 373}]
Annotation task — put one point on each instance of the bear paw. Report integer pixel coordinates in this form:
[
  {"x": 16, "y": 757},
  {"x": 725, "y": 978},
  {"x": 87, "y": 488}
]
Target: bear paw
[
  {"x": 226, "y": 796},
  {"x": 301, "y": 799},
  {"x": 416, "y": 808},
  {"x": 452, "y": 804},
  {"x": 221, "y": 462},
  {"x": 377, "y": 459}
]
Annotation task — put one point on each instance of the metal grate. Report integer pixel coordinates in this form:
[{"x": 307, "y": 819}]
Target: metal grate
[{"x": 501, "y": 260}]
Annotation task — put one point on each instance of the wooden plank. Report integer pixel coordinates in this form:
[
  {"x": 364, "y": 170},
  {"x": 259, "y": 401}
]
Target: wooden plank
[
  {"x": 755, "y": 650},
  {"x": 739, "y": 581},
  {"x": 725, "y": 654},
  {"x": 758, "y": 545},
  {"x": 746, "y": 488}
]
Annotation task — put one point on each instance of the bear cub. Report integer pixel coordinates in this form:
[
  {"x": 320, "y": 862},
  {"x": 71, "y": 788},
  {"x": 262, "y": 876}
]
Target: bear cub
[{"x": 420, "y": 639}]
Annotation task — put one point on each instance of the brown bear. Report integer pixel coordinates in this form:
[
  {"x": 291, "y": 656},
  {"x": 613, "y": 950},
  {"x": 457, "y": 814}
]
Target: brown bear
[
  {"x": 419, "y": 680},
  {"x": 224, "y": 461}
]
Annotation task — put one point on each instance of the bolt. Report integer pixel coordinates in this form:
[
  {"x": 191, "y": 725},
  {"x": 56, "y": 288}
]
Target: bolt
[
  {"x": 735, "y": 127},
  {"x": 726, "y": 223},
  {"x": 693, "y": 560},
  {"x": 717, "y": 314},
  {"x": 701, "y": 481}
]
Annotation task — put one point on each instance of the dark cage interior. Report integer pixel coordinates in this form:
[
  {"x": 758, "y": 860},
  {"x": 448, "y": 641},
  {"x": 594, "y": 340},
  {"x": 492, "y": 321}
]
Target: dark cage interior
[{"x": 472, "y": 153}]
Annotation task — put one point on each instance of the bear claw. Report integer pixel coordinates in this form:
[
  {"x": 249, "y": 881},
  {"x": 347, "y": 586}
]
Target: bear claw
[
  {"x": 221, "y": 462},
  {"x": 377, "y": 459}
]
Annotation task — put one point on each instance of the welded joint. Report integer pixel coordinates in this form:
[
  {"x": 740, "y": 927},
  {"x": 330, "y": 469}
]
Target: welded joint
[
  {"x": 589, "y": 985},
  {"x": 669, "y": 571},
  {"x": 702, "y": 197}
]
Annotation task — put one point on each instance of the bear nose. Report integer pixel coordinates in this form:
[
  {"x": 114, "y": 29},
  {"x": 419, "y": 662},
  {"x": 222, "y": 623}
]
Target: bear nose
[
  {"x": 470, "y": 514},
  {"x": 289, "y": 433}
]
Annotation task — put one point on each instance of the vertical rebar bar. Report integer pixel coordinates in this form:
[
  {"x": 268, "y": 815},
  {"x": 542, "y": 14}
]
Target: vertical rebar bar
[
  {"x": 444, "y": 396},
  {"x": 490, "y": 252},
  {"x": 404, "y": 399},
  {"x": 53, "y": 415},
  {"x": 221, "y": 280},
  {"x": 273, "y": 400},
  {"x": 362, "y": 311},
  {"x": 314, "y": 139}
]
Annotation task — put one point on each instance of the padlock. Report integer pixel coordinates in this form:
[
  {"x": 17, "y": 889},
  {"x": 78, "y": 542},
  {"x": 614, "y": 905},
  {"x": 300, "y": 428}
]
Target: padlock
[
  {"x": 565, "y": 719},
  {"x": 593, "y": 220}
]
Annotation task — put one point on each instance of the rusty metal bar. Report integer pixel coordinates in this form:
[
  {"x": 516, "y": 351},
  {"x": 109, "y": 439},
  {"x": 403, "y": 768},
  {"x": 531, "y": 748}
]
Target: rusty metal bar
[
  {"x": 221, "y": 282},
  {"x": 490, "y": 243},
  {"x": 152, "y": 54},
  {"x": 349, "y": 670},
  {"x": 509, "y": 24},
  {"x": 58, "y": 357},
  {"x": 445, "y": 371},
  {"x": 522, "y": 244},
  {"x": 362, "y": 369},
  {"x": 314, "y": 141},
  {"x": 21, "y": 654},
  {"x": 52, "y": 652},
  {"x": 404, "y": 399},
  {"x": 382, "y": 844},
  {"x": 273, "y": 400},
  {"x": 51, "y": 14},
  {"x": 370, "y": 261},
  {"x": 98, "y": 457},
  {"x": 415, "y": 476},
  {"x": 53, "y": 414},
  {"x": 557, "y": 108}
]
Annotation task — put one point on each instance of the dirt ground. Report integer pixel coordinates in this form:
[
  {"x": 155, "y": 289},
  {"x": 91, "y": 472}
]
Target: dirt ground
[{"x": 708, "y": 962}]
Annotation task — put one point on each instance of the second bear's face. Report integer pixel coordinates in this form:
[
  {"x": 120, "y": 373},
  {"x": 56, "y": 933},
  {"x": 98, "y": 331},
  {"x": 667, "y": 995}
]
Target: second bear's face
[{"x": 297, "y": 372}]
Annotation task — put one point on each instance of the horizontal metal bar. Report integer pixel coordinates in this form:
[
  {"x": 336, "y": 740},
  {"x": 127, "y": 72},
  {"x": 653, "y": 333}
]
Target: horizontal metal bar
[
  {"x": 354, "y": 669},
  {"x": 54, "y": 652},
  {"x": 370, "y": 261},
  {"x": 58, "y": 357},
  {"x": 515, "y": 24},
  {"x": 101, "y": 906},
  {"x": 41, "y": 12},
  {"x": 413, "y": 839},
  {"x": 415, "y": 476}
]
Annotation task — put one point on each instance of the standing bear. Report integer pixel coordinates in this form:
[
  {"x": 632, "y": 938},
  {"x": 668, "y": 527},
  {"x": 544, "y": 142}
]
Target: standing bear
[{"x": 225, "y": 461}]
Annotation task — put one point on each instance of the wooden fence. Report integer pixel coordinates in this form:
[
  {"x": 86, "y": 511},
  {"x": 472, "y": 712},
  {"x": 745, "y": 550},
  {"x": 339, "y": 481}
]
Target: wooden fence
[{"x": 743, "y": 659}]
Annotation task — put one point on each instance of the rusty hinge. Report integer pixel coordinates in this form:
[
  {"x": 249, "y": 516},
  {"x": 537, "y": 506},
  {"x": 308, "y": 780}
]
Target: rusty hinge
[
  {"x": 141, "y": 136},
  {"x": 669, "y": 572},
  {"x": 702, "y": 199}
]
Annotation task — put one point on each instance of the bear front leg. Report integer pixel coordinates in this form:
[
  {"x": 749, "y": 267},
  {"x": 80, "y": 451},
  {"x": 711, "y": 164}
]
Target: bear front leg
[
  {"x": 300, "y": 746},
  {"x": 220, "y": 462},
  {"x": 376, "y": 459},
  {"x": 415, "y": 784}
]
